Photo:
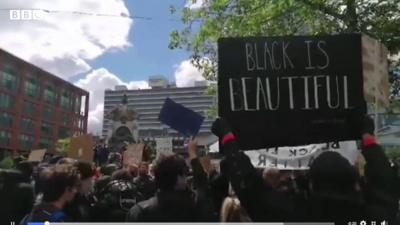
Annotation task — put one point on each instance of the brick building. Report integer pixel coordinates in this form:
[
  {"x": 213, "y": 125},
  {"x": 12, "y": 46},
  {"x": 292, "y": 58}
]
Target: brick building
[{"x": 36, "y": 107}]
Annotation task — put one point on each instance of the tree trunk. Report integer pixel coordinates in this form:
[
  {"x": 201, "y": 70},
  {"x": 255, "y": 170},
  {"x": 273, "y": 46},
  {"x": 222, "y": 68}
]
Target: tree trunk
[{"x": 351, "y": 16}]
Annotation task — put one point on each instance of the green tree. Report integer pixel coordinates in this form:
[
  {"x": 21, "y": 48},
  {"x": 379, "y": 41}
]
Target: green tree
[{"x": 235, "y": 18}]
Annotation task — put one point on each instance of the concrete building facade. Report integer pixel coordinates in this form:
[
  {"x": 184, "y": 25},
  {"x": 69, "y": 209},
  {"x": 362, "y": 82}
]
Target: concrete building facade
[{"x": 148, "y": 103}]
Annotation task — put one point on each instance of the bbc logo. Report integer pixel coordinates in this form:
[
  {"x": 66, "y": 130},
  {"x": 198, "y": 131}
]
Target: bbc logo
[{"x": 26, "y": 14}]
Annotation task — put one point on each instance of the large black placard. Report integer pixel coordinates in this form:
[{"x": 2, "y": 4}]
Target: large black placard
[{"x": 285, "y": 91}]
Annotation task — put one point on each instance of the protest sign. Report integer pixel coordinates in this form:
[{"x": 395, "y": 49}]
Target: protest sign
[
  {"x": 180, "y": 118},
  {"x": 376, "y": 74},
  {"x": 133, "y": 154},
  {"x": 36, "y": 155},
  {"x": 81, "y": 148},
  {"x": 290, "y": 91},
  {"x": 163, "y": 145},
  {"x": 206, "y": 164},
  {"x": 300, "y": 157}
]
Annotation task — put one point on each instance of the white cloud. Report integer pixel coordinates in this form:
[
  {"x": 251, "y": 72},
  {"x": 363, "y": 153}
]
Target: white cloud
[
  {"x": 196, "y": 4},
  {"x": 95, "y": 120},
  {"x": 95, "y": 83},
  {"x": 186, "y": 74},
  {"x": 63, "y": 42}
]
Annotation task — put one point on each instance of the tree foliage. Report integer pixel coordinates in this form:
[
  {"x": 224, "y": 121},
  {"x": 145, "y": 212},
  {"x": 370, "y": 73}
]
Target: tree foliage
[{"x": 379, "y": 19}]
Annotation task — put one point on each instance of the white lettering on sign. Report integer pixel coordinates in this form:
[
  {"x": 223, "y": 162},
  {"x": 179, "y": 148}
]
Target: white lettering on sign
[
  {"x": 268, "y": 98},
  {"x": 271, "y": 56}
]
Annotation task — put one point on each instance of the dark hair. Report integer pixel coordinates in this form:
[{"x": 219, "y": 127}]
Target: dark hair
[
  {"x": 58, "y": 179},
  {"x": 331, "y": 171},
  {"x": 26, "y": 168},
  {"x": 86, "y": 170},
  {"x": 167, "y": 168},
  {"x": 122, "y": 174}
]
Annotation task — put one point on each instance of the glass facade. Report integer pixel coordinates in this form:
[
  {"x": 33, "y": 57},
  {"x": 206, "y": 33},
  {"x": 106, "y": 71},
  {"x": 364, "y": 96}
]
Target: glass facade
[
  {"x": 26, "y": 141},
  {"x": 6, "y": 119},
  {"x": 49, "y": 95},
  {"x": 67, "y": 101},
  {"x": 46, "y": 143},
  {"x": 66, "y": 119},
  {"x": 31, "y": 88},
  {"x": 5, "y": 137},
  {"x": 47, "y": 129},
  {"x": 48, "y": 113},
  {"x": 6, "y": 101},
  {"x": 29, "y": 108},
  {"x": 28, "y": 125},
  {"x": 9, "y": 79},
  {"x": 64, "y": 132}
]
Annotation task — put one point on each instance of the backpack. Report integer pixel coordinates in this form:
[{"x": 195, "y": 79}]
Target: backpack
[{"x": 120, "y": 194}]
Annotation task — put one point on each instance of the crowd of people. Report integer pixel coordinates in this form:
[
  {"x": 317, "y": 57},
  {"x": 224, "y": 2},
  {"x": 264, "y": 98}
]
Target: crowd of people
[{"x": 172, "y": 190}]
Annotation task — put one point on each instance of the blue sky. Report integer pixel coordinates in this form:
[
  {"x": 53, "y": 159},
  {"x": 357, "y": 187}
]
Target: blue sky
[
  {"x": 71, "y": 40},
  {"x": 149, "y": 53}
]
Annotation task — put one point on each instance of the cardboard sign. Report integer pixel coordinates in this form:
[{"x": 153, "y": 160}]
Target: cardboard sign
[
  {"x": 37, "y": 155},
  {"x": 133, "y": 154},
  {"x": 81, "y": 148},
  {"x": 180, "y": 118},
  {"x": 376, "y": 74},
  {"x": 300, "y": 157},
  {"x": 163, "y": 145},
  {"x": 206, "y": 163},
  {"x": 290, "y": 91}
]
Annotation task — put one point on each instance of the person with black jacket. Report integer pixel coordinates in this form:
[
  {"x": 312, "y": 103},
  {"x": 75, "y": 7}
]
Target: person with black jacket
[
  {"x": 116, "y": 197},
  {"x": 334, "y": 196},
  {"x": 80, "y": 209},
  {"x": 16, "y": 194},
  {"x": 144, "y": 181},
  {"x": 174, "y": 202}
]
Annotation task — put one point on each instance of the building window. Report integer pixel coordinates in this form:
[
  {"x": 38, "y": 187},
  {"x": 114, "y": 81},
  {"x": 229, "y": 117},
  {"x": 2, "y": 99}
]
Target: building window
[
  {"x": 6, "y": 101},
  {"x": 46, "y": 129},
  {"x": 45, "y": 143},
  {"x": 9, "y": 79},
  {"x": 66, "y": 119},
  {"x": 5, "y": 137},
  {"x": 26, "y": 141},
  {"x": 29, "y": 108},
  {"x": 77, "y": 105},
  {"x": 67, "y": 101},
  {"x": 48, "y": 113},
  {"x": 31, "y": 88},
  {"x": 28, "y": 125},
  {"x": 6, "y": 119},
  {"x": 49, "y": 95},
  {"x": 64, "y": 132}
]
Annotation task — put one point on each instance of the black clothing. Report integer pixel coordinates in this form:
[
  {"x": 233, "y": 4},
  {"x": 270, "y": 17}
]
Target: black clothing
[
  {"x": 377, "y": 202},
  {"x": 16, "y": 194},
  {"x": 146, "y": 186}
]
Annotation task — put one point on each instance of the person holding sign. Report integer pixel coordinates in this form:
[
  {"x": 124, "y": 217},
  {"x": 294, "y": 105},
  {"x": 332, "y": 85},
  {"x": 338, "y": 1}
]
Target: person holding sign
[
  {"x": 174, "y": 201},
  {"x": 334, "y": 197}
]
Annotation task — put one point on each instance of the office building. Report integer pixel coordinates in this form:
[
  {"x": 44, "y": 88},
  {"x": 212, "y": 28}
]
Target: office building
[
  {"x": 36, "y": 107},
  {"x": 148, "y": 102}
]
